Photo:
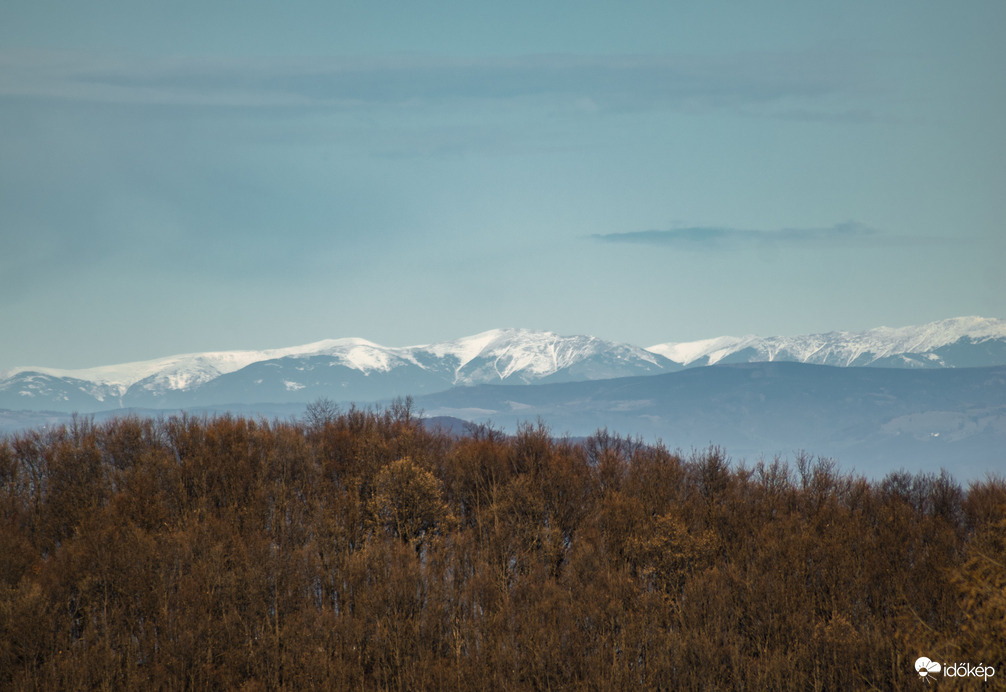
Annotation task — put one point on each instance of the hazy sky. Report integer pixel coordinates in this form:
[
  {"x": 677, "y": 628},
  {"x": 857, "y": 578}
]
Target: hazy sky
[{"x": 189, "y": 176}]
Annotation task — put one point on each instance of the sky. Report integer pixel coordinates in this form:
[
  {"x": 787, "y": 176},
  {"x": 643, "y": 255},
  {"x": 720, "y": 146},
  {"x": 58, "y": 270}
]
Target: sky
[{"x": 180, "y": 177}]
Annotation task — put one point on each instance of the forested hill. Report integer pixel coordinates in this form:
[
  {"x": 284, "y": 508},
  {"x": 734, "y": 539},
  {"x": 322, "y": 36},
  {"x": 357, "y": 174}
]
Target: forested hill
[{"x": 363, "y": 551}]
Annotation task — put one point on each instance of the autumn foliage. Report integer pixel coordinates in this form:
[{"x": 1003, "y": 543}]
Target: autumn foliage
[{"x": 359, "y": 550}]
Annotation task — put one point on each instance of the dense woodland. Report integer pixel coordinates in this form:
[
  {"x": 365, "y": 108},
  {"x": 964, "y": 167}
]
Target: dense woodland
[{"x": 359, "y": 550}]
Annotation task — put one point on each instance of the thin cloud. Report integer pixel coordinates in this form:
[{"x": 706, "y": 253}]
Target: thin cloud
[
  {"x": 685, "y": 82},
  {"x": 720, "y": 238}
]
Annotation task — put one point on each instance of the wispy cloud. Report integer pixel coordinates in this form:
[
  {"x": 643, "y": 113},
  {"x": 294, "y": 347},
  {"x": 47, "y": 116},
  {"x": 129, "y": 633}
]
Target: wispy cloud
[
  {"x": 708, "y": 238},
  {"x": 601, "y": 82}
]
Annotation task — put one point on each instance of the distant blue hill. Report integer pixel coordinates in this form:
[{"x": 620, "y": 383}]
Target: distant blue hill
[{"x": 872, "y": 419}]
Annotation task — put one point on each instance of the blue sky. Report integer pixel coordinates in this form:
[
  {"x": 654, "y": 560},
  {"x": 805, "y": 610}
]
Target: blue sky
[{"x": 179, "y": 177}]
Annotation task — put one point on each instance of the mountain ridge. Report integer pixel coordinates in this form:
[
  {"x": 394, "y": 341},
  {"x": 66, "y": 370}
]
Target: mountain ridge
[
  {"x": 346, "y": 369},
  {"x": 913, "y": 346}
]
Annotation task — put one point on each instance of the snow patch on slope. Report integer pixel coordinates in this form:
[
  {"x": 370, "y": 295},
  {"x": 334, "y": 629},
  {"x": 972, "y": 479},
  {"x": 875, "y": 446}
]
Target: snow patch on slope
[{"x": 839, "y": 348}]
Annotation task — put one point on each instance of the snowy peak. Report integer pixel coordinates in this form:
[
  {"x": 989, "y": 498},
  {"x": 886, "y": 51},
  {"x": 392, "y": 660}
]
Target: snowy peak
[
  {"x": 704, "y": 351},
  {"x": 936, "y": 344},
  {"x": 509, "y": 355}
]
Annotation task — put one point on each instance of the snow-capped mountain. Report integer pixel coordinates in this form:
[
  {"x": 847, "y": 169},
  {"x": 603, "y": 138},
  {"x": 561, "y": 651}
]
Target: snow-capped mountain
[
  {"x": 517, "y": 356},
  {"x": 342, "y": 369},
  {"x": 957, "y": 342},
  {"x": 359, "y": 370},
  {"x": 179, "y": 372}
]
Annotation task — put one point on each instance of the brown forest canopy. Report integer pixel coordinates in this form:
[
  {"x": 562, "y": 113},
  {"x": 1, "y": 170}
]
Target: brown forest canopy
[{"x": 360, "y": 550}]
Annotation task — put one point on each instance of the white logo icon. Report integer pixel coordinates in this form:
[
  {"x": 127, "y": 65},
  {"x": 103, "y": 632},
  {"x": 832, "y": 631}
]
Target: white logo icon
[{"x": 925, "y": 667}]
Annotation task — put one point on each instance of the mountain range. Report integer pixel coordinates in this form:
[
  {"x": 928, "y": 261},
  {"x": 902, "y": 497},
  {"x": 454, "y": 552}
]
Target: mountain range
[
  {"x": 356, "y": 370},
  {"x": 921, "y": 397}
]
